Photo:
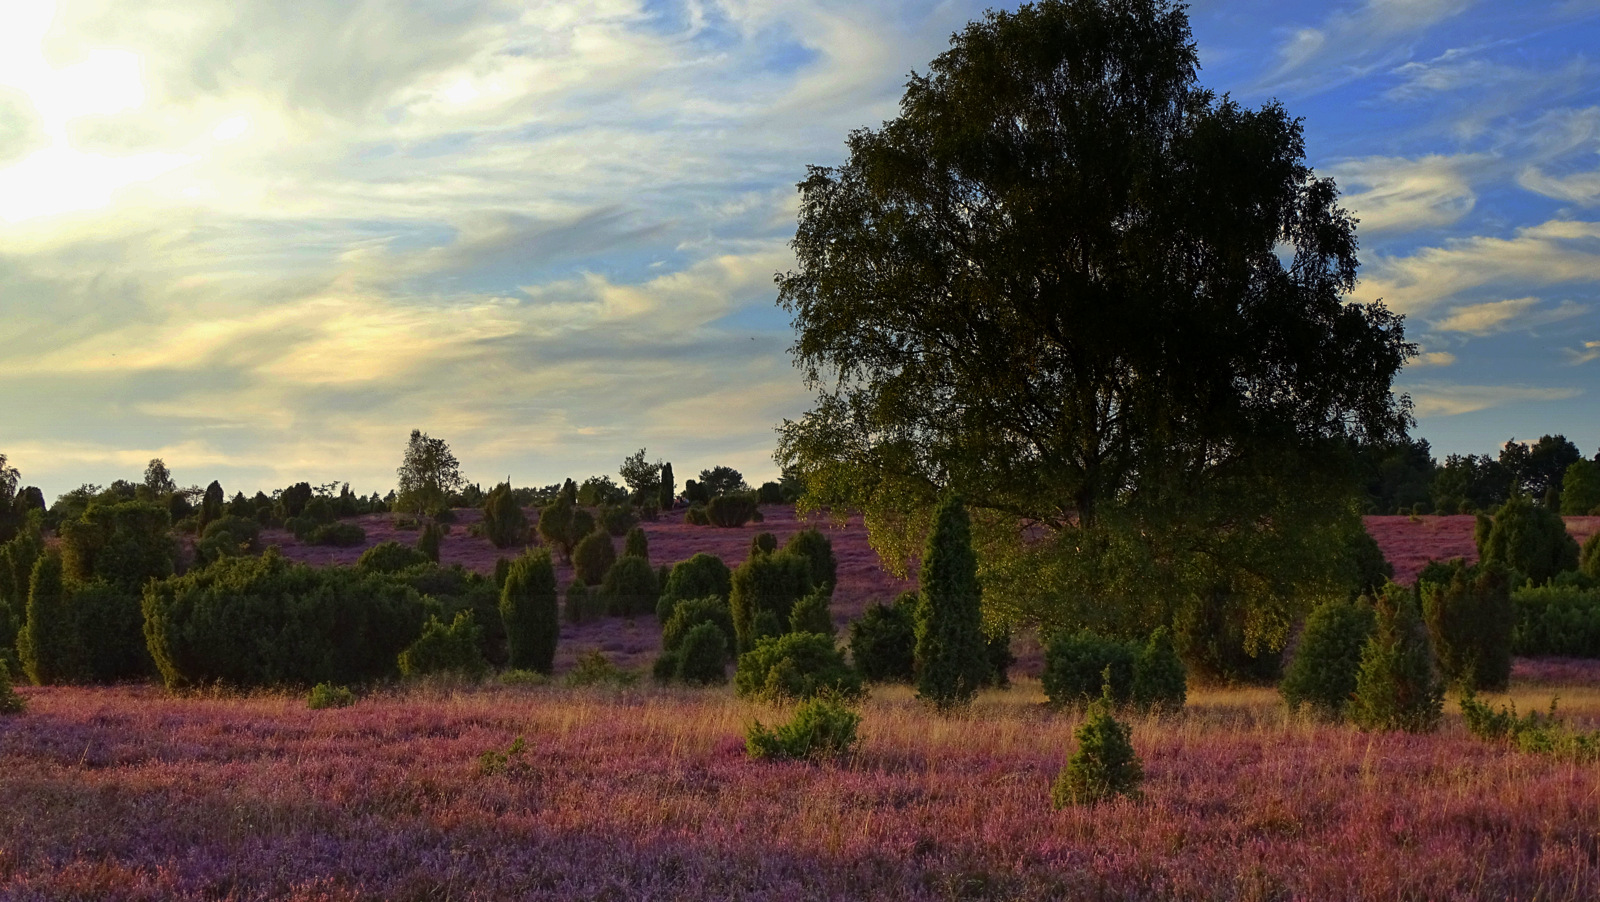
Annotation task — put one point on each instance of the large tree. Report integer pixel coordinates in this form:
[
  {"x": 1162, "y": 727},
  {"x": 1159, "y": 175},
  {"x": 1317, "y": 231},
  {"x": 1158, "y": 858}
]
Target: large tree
[
  {"x": 1105, "y": 305},
  {"x": 429, "y": 474}
]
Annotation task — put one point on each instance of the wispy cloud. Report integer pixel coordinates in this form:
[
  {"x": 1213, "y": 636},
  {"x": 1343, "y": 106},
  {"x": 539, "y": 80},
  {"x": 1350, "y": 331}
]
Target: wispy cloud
[
  {"x": 1396, "y": 193},
  {"x": 1499, "y": 316},
  {"x": 1434, "y": 399},
  {"x": 1552, "y": 253},
  {"x": 1590, "y": 351},
  {"x": 1354, "y": 41}
]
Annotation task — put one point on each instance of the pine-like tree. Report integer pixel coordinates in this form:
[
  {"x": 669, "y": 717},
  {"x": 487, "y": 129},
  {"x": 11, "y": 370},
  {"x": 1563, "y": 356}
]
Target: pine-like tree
[
  {"x": 529, "y": 608},
  {"x": 636, "y": 545},
  {"x": 428, "y": 542},
  {"x": 1396, "y": 687},
  {"x": 46, "y": 641},
  {"x": 669, "y": 489},
  {"x": 1105, "y": 764},
  {"x": 504, "y": 523},
  {"x": 951, "y": 660},
  {"x": 211, "y": 505}
]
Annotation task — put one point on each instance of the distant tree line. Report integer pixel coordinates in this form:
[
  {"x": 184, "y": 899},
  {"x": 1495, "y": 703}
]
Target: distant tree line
[{"x": 1403, "y": 477}]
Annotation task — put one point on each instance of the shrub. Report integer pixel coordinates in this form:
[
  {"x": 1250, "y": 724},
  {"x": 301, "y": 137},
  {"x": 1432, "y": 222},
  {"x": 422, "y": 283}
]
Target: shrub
[
  {"x": 583, "y": 602},
  {"x": 557, "y": 526},
  {"x": 502, "y": 569},
  {"x": 445, "y": 649},
  {"x": 523, "y": 678},
  {"x": 504, "y": 523},
  {"x": 595, "y": 669},
  {"x": 732, "y": 510},
  {"x": 951, "y": 660},
  {"x": 10, "y": 701},
  {"x": 1104, "y": 766},
  {"x": 327, "y": 695},
  {"x": 883, "y": 641},
  {"x": 339, "y": 535},
  {"x": 763, "y": 543},
  {"x": 108, "y": 633},
  {"x": 1529, "y": 539},
  {"x": 794, "y": 666},
  {"x": 698, "y": 577},
  {"x": 528, "y": 609},
  {"x": 428, "y": 542},
  {"x": 211, "y": 504},
  {"x": 1470, "y": 619},
  {"x": 1159, "y": 680},
  {"x": 1580, "y": 487},
  {"x": 821, "y": 728},
  {"x": 617, "y": 519},
  {"x": 227, "y": 536},
  {"x": 266, "y": 621},
  {"x": 1396, "y": 688},
  {"x": 636, "y": 545},
  {"x": 1082, "y": 667},
  {"x": 686, "y": 615},
  {"x": 629, "y": 587},
  {"x": 768, "y": 582},
  {"x": 1322, "y": 674},
  {"x": 818, "y": 550},
  {"x": 702, "y": 656},
  {"x": 810, "y": 614},
  {"x": 390, "y": 557},
  {"x": 696, "y": 516},
  {"x": 770, "y": 493},
  {"x": 1589, "y": 559},
  {"x": 997, "y": 650},
  {"x": 47, "y": 644},
  {"x": 127, "y": 544},
  {"x": 1534, "y": 732},
  {"x": 669, "y": 487},
  {"x": 1368, "y": 569},
  {"x": 593, "y": 557}
]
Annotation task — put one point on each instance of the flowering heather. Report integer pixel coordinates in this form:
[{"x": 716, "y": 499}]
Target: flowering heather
[
  {"x": 124, "y": 793},
  {"x": 1410, "y": 544}
]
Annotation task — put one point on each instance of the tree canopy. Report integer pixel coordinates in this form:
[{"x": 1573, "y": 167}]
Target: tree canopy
[
  {"x": 428, "y": 473},
  {"x": 1088, "y": 294}
]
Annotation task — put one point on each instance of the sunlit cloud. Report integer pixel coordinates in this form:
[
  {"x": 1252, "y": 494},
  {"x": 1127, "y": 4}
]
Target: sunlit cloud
[
  {"x": 1499, "y": 316},
  {"x": 1551, "y": 253},
  {"x": 1444, "y": 400},
  {"x": 1589, "y": 351},
  {"x": 1388, "y": 193}
]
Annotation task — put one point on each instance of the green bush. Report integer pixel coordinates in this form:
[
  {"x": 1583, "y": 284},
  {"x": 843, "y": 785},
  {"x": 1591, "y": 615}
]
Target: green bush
[
  {"x": 883, "y": 641},
  {"x": 583, "y": 602},
  {"x": 636, "y": 545},
  {"x": 595, "y": 669},
  {"x": 732, "y": 510},
  {"x": 211, "y": 505},
  {"x": 1396, "y": 687},
  {"x": 593, "y": 556},
  {"x": 1534, "y": 733},
  {"x": 821, "y": 728},
  {"x": 794, "y": 666},
  {"x": 818, "y": 550},
  {"x": 108, "y": 633},
  {"x": 429, "y": 540},
  {"x": 1556, "y": 619},
  {"x": 1530, "y": 539},
  {"x": 1104, "y": 766},
  {"x": 1580, "y": 488},
  {"x": 698, "y": 577},
  {"x": 702, "y": 655},
  {"x": 445, "y": 649},
  {"x": 502, "y": 569},
  {"x": 17, "y": 558},
  {"x": 1159, "y": 679},
  {"x": 528, "y": 610},
  {"x": 997, "y": 650},
  {"x": 763, "y": 543},
  {"x": 696, "y": 515},
  {"x": 47, "y": 644},
  {"x": 1589, "y": 558},
  {"x": 629, "y": 588},
  {"x": 770, "y": 493},
  {"x": 1470, "y": 620},
  {"x": 617, "y": 519},
  {"x": 327, "y": 695},
  {"x": 810, "y": 614},
  {"x": 227, "y": 536},
  {"x": 952, "y": 662},
  {"x": 338, "y": 535},
  {"x": 557, "y": 526},
  {"x": 1368, "y": 569},
  {"x": 266, "y": 621},
  {"x": 768, "y": 582},
  {"x": 686, "y": 615},
  {"x": 504, "y": 523},
  {"x": 127, "y": 544},
  {"x": 1322, "y": 674},
  {"x": 10, "y": 701},
  {"x": 1076, "y": 667},
  {"x": 390, "y": 557}
]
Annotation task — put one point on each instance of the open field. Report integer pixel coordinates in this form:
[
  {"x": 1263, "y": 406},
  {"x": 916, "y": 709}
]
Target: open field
[{"x": 125, "y": 793}]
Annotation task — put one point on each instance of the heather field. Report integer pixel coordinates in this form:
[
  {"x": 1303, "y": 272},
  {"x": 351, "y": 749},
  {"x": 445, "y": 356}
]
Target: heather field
[{"x": 125, "y": 793}]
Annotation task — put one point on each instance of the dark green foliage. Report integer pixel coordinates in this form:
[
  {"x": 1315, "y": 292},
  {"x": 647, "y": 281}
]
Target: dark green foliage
[
  {"x": 696, "y": 516},
  {"x": 557, "y": 526},
  {"x": 583, "y": 602},
  {"x": 767, "y": 582},
  {"x": 211, "y": 504},
  {"x": 1556, "y": 620},
  {"x": 686, "y": 615},
  {"x": 636, "y": 545},
  {"x": 428, "y": 475},
  {"x": 1369, "y": 569},
  {"x": 47, "y": 644},
  {"x": 765, "y": 625},
  {"x": 327, "y": 695},
  {"x": 1589, "y": 559},
  {"x": 794, "y": 666},
  {"x": 1538, "y": 467},
  {"x": 127, "y": 544},
  {"x": 227, "y": 536},
  {"x": 1212, "y": 635},
  {"x": 1322, "y": 674},
  {"x": 108, "y": 634},
  {"x": 821, "y": 728},
  {"x": 629, "y": 587},
  {"x": 763, "y": 543},
  {"x": 428, "y": 542},
  {"x": 951, "y": 660},
  {"x": 17, "y": 558},
  {"x": 1534, "y": 733},
  {"x": 528, "y": 609},
  {"x": 617, "y": 519},
  {"x": 266, "y": 621},
  {"x": 698, "y": 577},
  {"x": 702, "y": 656},
  {"x": 445, "y": 649},
  {"x": 997, "y": 648},
  {"x": 504, "y": 523},
  {"x": 1104, "y": 766},
  {"x": 292, "y": 501},
  {"x": 583, "y": 525},
  {"x": 722, "y": 481},
  {"x": 1396, "y": 687},
  {"x": 669, "y": 488},
  {"x": 695, "y": 494},
  {"x": 1580, "y": 488},
  {"x": 390, "y": 557},
  {"x": 338, "y": 535},
  {"x": 600, "y": 491},
  {"x": 593, "y": 556},
  {"x": 817, "y": 549},
  {"x": 593, "y": 668},
  {"x": 1529, "y": 539},
  {"x": 883, "y": 641},
  {"x": 1076, "y": 668},
  {"x": 810, "y": 614},
  {"x": 1470, "y": 621},
  {"x": 1160, "y": 682},
  {"x": 502, "y": 569},
  {"x": 731, "y": 511},
  {"x": 10, "y": 701},
  {"x": 769, "y": 493}
]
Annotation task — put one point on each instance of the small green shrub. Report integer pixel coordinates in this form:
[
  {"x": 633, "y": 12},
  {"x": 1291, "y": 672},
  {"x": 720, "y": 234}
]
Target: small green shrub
[
  {"x": 528, "y": 609},
  {"x": 696, "y": 515},
  {"x": 997, "y": 649},
  {"x": 595, "y": 669},
  {"x": 583, "y": 603},
  {"x": 390, "y": 557},
  {"x": 445, "y": 649},
  {"x": 821, "y": 728},
  {"x": 810, "y": 614},
  {"x": 1076, "y": 667},
  {"x": 629, "y": 588},
  {"x": 952, "y": 662},
  {"x": 883, "y": 641},
  {"x": 1160, "y": 682},
  {"x": 818, "y": 550},
  {"x": 794, "y": 666},
  {"x": 617, "y": 519},
  {"x": 763, "y": 543},
  {"x": 1556, "y": 620},
  {"x": 767, "y": 582},
  {"x": 429, "y": 540},
  {"x": 1396, "y": 687},
  {"x": 636, "y": 545},
  {"x": 522, "y": 678},
  {"x": 495, "y": 762},
  {"x": 702, "y": 656},
  {"x": 698, "y": 577},
  {"x": 1470, "y": 620},
  {"x": 1530, "y": 539},
  {"x": 327, "y": 695},
  {"x": 732, "y": 510},
  {"x": 686, "y": 615},
  {"x": 504, "y": 523},
  {"x": 339, "y": 535},
  {"x": 593, "y": 556},
  {"x": 10, "y": 701},
  {"x": 1104, "y": 766},
  {"x": 227, "y": 536},
  {"x": 1322, "y": 674},
  {"x": 770, "y": 493},
  {"x": 1534, "y": 732}
]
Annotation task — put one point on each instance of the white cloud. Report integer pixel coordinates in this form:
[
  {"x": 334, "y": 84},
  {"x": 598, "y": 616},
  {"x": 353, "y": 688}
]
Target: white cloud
[
  {"x": 1556, "y": 252},
  {"x": 1395, "y": 193},
  {"x": 1433, "y": 399},
  {"x": 1500, "y": 316},
  {"x": 1590, "y": 351},
  {"x": 1433, "y": 358},
  {"x": 1352, "y": 42}
]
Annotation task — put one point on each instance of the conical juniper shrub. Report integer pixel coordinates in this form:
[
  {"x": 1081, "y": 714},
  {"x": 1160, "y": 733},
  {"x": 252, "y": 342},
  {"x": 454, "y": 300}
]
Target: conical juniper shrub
[
  {"x": 698, "y": 577},
  {"x": 529, "y": 609},
  {"x": 817, "y": 549},
  {"x": 46, "y": 644},
  {"x": 629, "y": 588},
  {"x": 951, "y": 660},
  {"x": 1322, "y": 674},
  {"x": 1105, "y": 764},
  {"x": 702, "y": 657},
  {"x": 1396, "y": 687},
  {"x": 1470, "y": 619},
  {"x": 1530, "y": 539},
  {"x": 636, "y": 545},
  {"x": 1160, "y": 681},
  {"x": 593, "y": 557},
  {"x": 504, "y": 523},
  {"x": 769, "y": 583},
  {"x": 883, "y": 641},
  {"x": 810, "y": 614}
]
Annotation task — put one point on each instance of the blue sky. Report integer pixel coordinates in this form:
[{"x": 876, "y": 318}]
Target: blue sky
[{"x": 265, "y": 246}]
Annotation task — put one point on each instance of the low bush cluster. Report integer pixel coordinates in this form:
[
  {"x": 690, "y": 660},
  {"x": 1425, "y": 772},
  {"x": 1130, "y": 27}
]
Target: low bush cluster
[
  {"x": 1470, "y": 619},
  {"x": 1397, "y": 687},
  {"x": 733, "y": 510},
  {"x": 1146, "y": 676},
  {"x": 629, "y": 588},
  {"x": 1322, "y": 674},
  {"x": 794, "y": 666},
  {"x": 445, "y": 649},
  {"x": 700, "y": 576},
  {"x": 1534, "y": 732},
  {"x": 327, "y": 695},
  {"x": 1556, "y": 619},
  {"x": 710, "y": 656},
  {"x": 883, "y": 641},
  {"x": 821, "y": 728}
]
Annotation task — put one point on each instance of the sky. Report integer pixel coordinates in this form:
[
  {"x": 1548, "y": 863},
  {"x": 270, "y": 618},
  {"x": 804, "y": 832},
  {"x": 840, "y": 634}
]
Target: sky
[{"x": 265, "y": 241}]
